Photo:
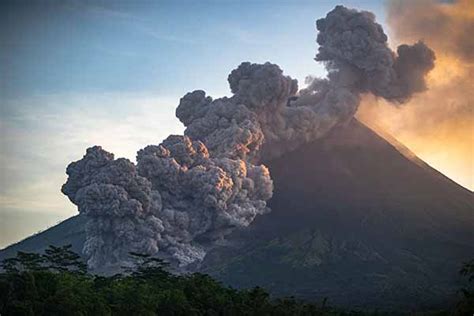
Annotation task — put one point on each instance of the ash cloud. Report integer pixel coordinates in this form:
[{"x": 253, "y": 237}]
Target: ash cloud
[
  {"x": 177, "y": 200},
  {"x": 262, "y": 121},
  {"x": 198, "y": 188},
  {"x": 355, "y": 47},
  {"x": 120, "y": 206},
  {"x": 204, "y": 198}
]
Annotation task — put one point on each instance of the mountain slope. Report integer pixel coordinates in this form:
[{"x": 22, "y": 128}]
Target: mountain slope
[
  {"x": 70, "y": 231},
  {"x": 358, "y": 222},
  {"x": 353, "y": 219}
]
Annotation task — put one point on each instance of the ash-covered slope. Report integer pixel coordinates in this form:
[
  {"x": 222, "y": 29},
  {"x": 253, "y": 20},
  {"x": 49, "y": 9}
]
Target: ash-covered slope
[{"x": 356, "y": 221}]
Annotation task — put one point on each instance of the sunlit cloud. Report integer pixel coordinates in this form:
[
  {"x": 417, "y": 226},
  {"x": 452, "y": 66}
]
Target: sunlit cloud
[{"x": 438, "y": 124}]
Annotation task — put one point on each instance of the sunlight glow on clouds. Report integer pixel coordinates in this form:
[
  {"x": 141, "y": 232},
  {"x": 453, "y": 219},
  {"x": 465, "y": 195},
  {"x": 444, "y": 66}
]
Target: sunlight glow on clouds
[{"x": 438, "y": 124}]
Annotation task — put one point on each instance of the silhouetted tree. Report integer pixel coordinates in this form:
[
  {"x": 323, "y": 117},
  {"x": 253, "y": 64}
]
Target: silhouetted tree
[
  {"x": 148, "y": 267},
  {"x": 24, "y": 261},
  {"x": 62, "y": 259}
]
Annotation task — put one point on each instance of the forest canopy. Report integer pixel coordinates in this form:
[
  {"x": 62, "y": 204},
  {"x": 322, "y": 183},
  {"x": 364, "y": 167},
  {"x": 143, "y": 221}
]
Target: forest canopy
[{"x": 58, "y": 283}]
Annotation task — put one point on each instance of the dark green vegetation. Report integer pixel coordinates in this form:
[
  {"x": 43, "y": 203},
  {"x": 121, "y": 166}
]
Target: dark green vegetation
[
  {"x": 57, "y": 283},
  {"x": 354, "y": 218}
]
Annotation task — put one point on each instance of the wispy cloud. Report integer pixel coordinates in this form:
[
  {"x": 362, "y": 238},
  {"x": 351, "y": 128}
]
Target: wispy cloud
[
  {"x": 162, "y": 36},
  {"x": 140, "y": 24}
]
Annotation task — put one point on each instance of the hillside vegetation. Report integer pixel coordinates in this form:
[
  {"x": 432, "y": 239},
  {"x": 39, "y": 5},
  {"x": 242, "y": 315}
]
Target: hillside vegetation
[{"x": 57, "y": 283}]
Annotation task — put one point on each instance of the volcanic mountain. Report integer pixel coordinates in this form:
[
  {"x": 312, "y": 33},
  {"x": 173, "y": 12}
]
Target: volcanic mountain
[{"x": 355, "y": 218}]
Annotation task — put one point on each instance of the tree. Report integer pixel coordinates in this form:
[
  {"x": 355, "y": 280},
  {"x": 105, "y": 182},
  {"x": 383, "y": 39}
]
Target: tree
[
  {"x": 62, "y": 259},
  {"x": 148, "y": 267},
  {"x": 57, "y": 283},
  {"x": 23, "y": 261}
]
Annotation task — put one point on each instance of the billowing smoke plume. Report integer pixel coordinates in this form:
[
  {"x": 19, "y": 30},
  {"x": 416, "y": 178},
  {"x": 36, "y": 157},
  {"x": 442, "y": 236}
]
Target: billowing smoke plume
[
  {"x": 443, "y": 117},
  {"x": 179, "y": 202},
  {"x": 204, "y": 198},
  {"x": 356, "y": 52},
  {"x": 261, "y": 113},
  {"x": 121, "y": 207},
  {"x": 189, "y": 192}
]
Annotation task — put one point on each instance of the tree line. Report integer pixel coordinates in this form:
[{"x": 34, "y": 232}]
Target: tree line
[{"x": 58, "y": 283}]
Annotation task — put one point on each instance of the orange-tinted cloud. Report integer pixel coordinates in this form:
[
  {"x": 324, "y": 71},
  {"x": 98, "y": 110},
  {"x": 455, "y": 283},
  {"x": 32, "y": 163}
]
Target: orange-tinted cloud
[{"x": 438, "y": 124}]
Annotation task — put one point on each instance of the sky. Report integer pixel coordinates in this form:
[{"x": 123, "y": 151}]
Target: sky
[{"x": 79, "y": 73}]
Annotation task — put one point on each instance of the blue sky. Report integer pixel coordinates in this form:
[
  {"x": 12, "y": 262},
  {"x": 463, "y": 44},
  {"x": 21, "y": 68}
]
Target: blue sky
[{"x": 74, "y": 74}]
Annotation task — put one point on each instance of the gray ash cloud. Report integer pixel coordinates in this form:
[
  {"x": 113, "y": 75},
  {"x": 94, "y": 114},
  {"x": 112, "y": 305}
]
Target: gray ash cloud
[{"x": 188, "y": 193}]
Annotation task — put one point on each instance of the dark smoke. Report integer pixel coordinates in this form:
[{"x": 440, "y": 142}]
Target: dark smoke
[
  {"x": 355, "y": 51},
  {"x": 204, "y": 198},
  {"x": 197, "y": 188},
  {"x": 189, "y": 196},
  {"x": 120, "y": 205},
  {"x": 355, "y": 47}
]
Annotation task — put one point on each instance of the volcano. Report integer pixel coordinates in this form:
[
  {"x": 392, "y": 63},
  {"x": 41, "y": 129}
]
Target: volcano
[{"x": 356, "y": 218}]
